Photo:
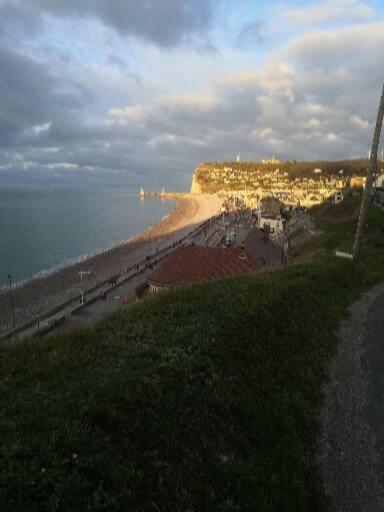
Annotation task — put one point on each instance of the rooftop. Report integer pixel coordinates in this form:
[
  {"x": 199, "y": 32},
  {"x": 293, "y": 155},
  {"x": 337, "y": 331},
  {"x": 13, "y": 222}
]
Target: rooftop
[
  {"x": 261, "y": 250},
  {"x": 189, "y": 265}
]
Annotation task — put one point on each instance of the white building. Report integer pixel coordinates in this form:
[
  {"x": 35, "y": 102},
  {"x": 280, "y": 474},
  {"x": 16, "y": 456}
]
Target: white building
[
  {"x": 273, "y": 160},
  {"x": 379, "y": 181},
  {"x": 273, "y": 223},
  {"x": 338, "y": 197}
]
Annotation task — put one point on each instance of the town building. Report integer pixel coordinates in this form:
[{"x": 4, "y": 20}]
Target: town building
[
  {"x": 269, "y": 217},
  {"x": 190, "y": 265},
  {"x": 358, "y": 182}
]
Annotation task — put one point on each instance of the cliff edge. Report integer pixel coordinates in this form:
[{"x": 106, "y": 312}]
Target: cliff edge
[{"x": 195, "y": 188}]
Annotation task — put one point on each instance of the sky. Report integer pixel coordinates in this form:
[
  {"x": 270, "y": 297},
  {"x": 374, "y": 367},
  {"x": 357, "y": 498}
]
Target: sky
[{"x": 141, "y": 91}]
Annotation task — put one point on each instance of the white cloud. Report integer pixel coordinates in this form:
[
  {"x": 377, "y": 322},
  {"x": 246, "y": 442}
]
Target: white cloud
[
  {"x": 41, "y": 128},
  {"x": 330, "y": 10},
  {"x": 164, "y": 106},
  {"x": 190, "y": 102},
  {"x": 134, "y": 113},
  {"x": 268, "y": 133},
  {"x": 62, "y": 165},
  {"x": 173, "y": 139},
  {"x": 313, "y": 123},
  {"x": 358, "y": 121},
  {"x": 343, "y": 49},
  {"x": 242, "y": 78}
]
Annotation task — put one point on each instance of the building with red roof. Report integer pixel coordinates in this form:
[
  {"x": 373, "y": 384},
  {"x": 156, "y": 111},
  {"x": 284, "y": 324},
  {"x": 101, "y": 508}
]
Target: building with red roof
[{"x": 189, "y": 265}]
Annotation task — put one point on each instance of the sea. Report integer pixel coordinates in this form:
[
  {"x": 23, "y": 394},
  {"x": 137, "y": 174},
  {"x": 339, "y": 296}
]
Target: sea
[{"x": 43, "y": 229}]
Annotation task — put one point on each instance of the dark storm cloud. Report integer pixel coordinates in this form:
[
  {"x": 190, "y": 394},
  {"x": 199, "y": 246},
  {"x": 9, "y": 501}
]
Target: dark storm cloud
[
  {"x": 164, "y": 22},
  {"x": 31, "y": 97},
  {"x": 17, "y": 19}
]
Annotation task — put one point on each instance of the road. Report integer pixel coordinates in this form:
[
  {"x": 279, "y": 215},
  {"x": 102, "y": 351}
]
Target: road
[
  {"x": 373, "y": 360},
  {"x": 96, "y": 311},
  {"x": 351, "y": 443}
]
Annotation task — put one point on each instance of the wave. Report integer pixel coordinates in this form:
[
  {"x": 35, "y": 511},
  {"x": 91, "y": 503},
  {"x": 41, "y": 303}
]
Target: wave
[{"x": 68, "y": 262}]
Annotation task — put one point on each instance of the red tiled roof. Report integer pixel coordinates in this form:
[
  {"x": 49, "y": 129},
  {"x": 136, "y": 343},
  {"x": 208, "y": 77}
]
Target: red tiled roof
[{"x": 188, "y": 265}]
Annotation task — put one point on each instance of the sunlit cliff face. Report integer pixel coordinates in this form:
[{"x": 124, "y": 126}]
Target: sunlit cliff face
[{"x": 146, "y": 90}]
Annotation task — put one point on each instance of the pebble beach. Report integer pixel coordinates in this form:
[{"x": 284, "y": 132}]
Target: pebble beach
[{"x": 42, "y": 294}]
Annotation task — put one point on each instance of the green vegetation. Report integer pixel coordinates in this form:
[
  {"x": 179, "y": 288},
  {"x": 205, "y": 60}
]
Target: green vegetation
[
  {"x": 337, "y": 225},
  {"x": 199, "y": 400}
]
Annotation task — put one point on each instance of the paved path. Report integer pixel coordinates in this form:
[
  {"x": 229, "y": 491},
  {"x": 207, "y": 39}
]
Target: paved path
[
  {"x": 351, "y": 446},
  {"x": 374, "y": 363},
  {"x": 97, "y": 310}
]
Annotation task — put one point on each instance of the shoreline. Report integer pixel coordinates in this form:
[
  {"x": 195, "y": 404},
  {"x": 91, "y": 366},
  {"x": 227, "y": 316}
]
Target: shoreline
[
  {"x": 83, "y": 258},
  {"x": 41, "y": 294}
]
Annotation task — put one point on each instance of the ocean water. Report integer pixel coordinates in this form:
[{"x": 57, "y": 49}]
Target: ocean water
[{"x": 43, "y": 229}]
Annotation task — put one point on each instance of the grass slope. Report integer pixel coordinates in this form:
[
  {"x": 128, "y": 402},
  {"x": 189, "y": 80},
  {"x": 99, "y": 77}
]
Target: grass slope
[{"x": 202, "y": 399}]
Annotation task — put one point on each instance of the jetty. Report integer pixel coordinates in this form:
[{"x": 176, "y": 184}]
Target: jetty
[{"x": 164, "y": 195}]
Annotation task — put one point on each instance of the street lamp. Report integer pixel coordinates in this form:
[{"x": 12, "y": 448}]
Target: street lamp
[
  {"x": 83, "y": 272},
  {"x": 11, "y": 301}
]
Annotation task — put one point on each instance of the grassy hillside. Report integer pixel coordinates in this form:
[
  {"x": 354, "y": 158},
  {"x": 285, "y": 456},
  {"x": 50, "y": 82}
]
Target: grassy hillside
[
  {"x": 203, "y": 399},
  {"x": 337, "y": 225}
]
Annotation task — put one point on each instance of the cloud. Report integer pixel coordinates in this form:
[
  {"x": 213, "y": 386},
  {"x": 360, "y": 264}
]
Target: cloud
[
  {"x": 168, "y": 105},
  {"x": 302, "y": 104},
  {"x": 167, "y": 22},
  {"x": 17, "y": 20},
  {"x": 347, "y": 48},
  {"x": 361, "y": 123},
  {"x": 314, "y": 97},
  {"x": 31, "y": 97},
  {"x": 252, "y": 32},
  {"x": 313, "y": 123},
  {"x": 328, "y": 11}
]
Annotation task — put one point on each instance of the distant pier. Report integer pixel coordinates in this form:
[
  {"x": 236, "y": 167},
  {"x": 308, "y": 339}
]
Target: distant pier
[{"x": 164, "y": 195}]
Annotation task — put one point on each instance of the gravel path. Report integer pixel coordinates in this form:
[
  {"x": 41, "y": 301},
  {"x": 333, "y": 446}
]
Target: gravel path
[{"x": 348, "y": 456}]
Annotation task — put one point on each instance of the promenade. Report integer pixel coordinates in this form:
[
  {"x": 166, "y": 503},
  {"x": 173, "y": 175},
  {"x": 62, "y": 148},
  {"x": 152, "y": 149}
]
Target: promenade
[
  {"x": 95, "y": 310},
  {"x": 44, "y": 302}
]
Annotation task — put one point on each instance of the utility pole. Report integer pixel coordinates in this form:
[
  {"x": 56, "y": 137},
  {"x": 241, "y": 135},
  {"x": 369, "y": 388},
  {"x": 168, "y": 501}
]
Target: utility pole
[{"x": 368, "y": 184}]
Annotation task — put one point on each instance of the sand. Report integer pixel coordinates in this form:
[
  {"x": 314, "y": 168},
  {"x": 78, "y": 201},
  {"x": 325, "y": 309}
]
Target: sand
[{"x": 39, "y": 295}]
